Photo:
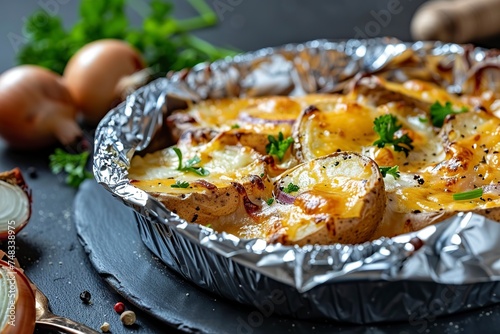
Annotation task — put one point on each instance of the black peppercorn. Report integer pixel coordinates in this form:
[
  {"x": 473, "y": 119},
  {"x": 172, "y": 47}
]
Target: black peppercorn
[
  {"x": 32, "y": 173},
  {"x": 85, "y": 297}
]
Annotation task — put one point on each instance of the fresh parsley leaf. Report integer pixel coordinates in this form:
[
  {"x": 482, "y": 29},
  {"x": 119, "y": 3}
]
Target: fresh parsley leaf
[
  {"x": 180, "y": 184},
  {"x": 72, "y": 164},
  {"x": 466, "y": 195},
  {"x": 278, "y": 147},
  {"x": 270, "y": 201},
  {"x": 394, "y": 171},
  {"x": 235, "y": 126},
  {"x": 439, "y": 112},
  {"x": 290, "y": 188},
  {"x": 190, "y": 164},
  {"x": 386, "y": 127},
  {"x": 164, "y": 41}
]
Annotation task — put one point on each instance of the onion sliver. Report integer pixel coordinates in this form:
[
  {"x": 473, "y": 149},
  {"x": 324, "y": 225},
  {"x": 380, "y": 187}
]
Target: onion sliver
[
  {"x": 283, "y": 197},
  {"x": 245, "y": 117}
]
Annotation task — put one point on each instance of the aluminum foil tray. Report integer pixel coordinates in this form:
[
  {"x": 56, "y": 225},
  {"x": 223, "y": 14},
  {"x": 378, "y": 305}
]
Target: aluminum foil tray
[{"x": 442, "y": 269}]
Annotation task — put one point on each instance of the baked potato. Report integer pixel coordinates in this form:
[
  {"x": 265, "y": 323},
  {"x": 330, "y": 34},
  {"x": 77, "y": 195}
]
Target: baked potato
[
  {"x": 209, "y": 184},
  {"x": 471, "y": 167},
  {"x": 348, "y": 125},
  {"x": 383, "y": 159},
  {"x": 336, "y": 198}
]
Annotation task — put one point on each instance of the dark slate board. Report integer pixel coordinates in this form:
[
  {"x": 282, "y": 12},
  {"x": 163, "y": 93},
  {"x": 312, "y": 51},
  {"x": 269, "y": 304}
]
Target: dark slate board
[{"x": 108, "y": 231}]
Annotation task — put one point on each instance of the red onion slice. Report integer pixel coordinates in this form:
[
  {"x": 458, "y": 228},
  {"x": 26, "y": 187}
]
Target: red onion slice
[{"x": 283, "y": 197}]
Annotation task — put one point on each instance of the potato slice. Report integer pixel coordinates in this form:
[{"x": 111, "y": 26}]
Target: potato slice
[
  {"x": 236, "y": 186},
  {"x": 347, "y": 125},
  {"x": 336, "y": 198},
  {"x": 472, "y": 145},
  {"x": 264, "y": 115},
  {"x": 333, "y": 126},
  {"x": 413, "y": 93}
]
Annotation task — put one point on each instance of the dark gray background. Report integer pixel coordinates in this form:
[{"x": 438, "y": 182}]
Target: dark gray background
[{"x": 244, "y": 24}]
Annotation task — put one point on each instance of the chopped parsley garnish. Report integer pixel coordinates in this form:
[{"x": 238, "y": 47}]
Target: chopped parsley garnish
[
  {"x": 290, "y": 188},
  {"x": 235, "y": 126},
  {"x": 386, "y": 127},
  {"x": 180, "y": 184},
  {"x": 394, "y": 171},
  {"x": 270, "y": 201},
  {"x": 439, "y": 112},
  {"x": 476, "y": 193},
  {"x": 423, "y": 119},
  {"x": 278, "y": 146},
  {"x": 189, "y": 166}
]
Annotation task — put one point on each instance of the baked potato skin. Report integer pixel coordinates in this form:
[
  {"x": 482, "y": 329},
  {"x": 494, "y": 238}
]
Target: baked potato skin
[
  {"x": 344, "y": 206},
  {"x": 236, "y": 183},
  {"x": 218, "y": 205}
]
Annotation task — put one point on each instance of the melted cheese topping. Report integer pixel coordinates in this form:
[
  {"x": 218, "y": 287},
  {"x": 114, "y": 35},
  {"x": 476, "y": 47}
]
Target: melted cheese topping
[
  {"x": 460, "y": 157},
  {"x": 157, "y": 172}
]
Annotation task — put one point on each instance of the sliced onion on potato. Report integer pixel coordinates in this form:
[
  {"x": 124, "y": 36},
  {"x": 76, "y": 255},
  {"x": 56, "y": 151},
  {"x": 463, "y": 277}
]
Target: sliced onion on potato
[
  {"x": 15, "y": 204},
  {"x": 337, "y": 198},
  {"x": 17, "y": 301}
]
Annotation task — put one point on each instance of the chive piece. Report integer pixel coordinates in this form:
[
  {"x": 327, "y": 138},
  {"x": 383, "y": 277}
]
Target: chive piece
[
  {"x": 179, "y": 156},
  {"x": 476, "y": 193}
]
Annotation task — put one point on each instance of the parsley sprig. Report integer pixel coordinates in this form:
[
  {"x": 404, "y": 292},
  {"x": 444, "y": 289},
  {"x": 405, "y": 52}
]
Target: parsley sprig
[
  {"x": 190, "y": 165},
  {"x": 290, "y": 188},
  {"x": 439, "y": 112},
  {"x": 72, "y": 164},
  {"x": 394, "y": 171},
  {"x": 278, "y": 147},
  {"x": 386, "y": 127},
  {"x": 164, "y": 41}
]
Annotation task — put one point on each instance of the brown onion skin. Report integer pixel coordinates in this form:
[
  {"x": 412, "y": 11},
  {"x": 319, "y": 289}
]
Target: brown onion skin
[
  {"x": 25, "y": 316},
  {"x": 15, "y": 177},
  {"x": 36, "y": 108},
  {"x": 93, "y": 73}
]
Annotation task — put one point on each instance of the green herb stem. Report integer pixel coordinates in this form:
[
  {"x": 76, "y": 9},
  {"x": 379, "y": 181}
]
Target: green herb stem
[{"x": 466, "y": 195}]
